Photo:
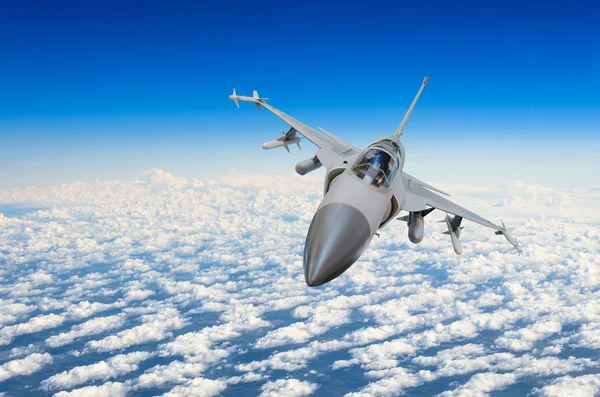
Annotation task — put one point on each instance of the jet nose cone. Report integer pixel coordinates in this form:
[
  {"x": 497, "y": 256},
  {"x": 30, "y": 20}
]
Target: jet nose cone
[{"x": 337, "y": 236}]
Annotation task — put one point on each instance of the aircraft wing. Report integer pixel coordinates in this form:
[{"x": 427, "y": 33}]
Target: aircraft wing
[
  {"x": 321, "y": 140},
  {"x": 332, "y": 148},
  {"x": 420, "y": 195}
]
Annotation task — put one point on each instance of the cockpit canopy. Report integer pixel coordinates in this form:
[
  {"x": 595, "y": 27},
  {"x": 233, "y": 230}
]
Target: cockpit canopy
[{"x": 378, "y": 165}]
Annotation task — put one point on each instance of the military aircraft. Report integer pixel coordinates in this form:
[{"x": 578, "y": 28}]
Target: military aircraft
[{"x": 364, "y": 191}]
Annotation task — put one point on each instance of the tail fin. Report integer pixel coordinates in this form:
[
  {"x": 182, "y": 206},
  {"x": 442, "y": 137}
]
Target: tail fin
[
  {"x": 400, "y": 129},
  {"x": 258, "y": 99}
]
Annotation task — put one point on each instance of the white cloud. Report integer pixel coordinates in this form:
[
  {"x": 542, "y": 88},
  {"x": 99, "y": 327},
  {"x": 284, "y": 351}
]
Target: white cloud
[
  {"x": 480, "y": 385},
  {"x": 525, "y": 338},
  {"x": 21, "y": 351},
  {"x": 103, "y": 370},
  {"x": 159, "y": 178},
  {"x": 94, "y": 326},
  {"x": 10, "y": 311},
  {"x": 395, "y": 381},
  {"x": 198, "y": 387},
  {"x": 33, "y": 325},
  {"x": 225, "y": 268},
  {"x": 155, "y": 327},
  {"x": 321, "y": 321},
  {"x": 24, "y": 366},
  {"x": 109, "y": 389},
  {"x": 85, "y": 309},
  {"x": 287, "y": 388},
  {"x": 174, "y": 372},
  {"x": 588, "y": 336},
  {"x": 290, "y": 360},
  {"x": 580, "y": 386}
]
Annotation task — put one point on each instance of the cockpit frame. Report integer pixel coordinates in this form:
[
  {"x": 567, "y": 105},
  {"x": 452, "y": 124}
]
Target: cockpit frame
[{"x": 378, "y": 164}]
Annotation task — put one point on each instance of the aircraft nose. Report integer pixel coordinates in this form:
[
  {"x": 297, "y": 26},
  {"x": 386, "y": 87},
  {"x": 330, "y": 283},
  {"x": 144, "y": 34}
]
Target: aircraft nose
[{"x": 337, "y": 236}]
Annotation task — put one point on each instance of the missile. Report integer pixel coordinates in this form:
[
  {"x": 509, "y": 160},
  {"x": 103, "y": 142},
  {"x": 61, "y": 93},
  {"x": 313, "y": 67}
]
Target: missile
[
  {"x": 507, "y": 232},
  {"x": 285, "y": 139},
  {"x": 454, "y": 232},
  {"x": 255, "y": 98}
]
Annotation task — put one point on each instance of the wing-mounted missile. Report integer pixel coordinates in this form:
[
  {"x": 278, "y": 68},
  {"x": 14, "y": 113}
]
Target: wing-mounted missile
[
  {"x": 309, "y": 165},
  {"x": 416, "y": 224},
  {"x": 507, "y": 232},
  {"x": 454, "y": 229},
  {"x": 285, "y": 139},
  {"x": 257, "y": 100}
]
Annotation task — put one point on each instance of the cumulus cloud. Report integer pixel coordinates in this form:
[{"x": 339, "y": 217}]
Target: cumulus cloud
[
  {"x": 21, "y": 351},
  {"x": 206, "y": 276},
  {"x": 24, "y": 366},
  {"x": 10, "y": 311},
  {"x": 35, "y": 324},
  {"x": 94, "y": 326},
  {"x": 103, "y": 370},
  {"x": 155, "y": 327},
  {"x": 287, "y": 387},
  {"x": 524, "y": 338},
  {"x": 580, "y": 386},
  {"x": 198, "y": 387},
  {"x": 322, "y": 320},
  {"x": 109, "y": 389},
  {"x": 481, "y": 385}
]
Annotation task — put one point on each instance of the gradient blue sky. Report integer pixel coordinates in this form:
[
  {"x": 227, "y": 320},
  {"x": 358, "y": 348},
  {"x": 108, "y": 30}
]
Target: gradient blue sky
[{"x": 107, "y": 90}]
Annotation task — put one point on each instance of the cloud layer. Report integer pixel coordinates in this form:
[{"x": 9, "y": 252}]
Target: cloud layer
[{"x": 181, "y": 287}]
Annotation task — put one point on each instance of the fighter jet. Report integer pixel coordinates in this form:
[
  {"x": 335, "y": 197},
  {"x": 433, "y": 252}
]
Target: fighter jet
[{"x": 364, "y": 190}]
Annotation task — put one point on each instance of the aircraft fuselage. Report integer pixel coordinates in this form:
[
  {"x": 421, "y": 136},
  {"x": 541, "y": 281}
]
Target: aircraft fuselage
[{"x": 355, "y": 206}]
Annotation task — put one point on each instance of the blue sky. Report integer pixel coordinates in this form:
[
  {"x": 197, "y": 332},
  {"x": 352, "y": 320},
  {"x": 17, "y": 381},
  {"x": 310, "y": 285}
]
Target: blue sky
[{"x": 97, "y": 90}]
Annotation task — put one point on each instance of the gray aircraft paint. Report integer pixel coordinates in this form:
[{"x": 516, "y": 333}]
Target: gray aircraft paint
[
  {"x": 337, "y": 236},
  {"x": 354, "y": 209}
]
